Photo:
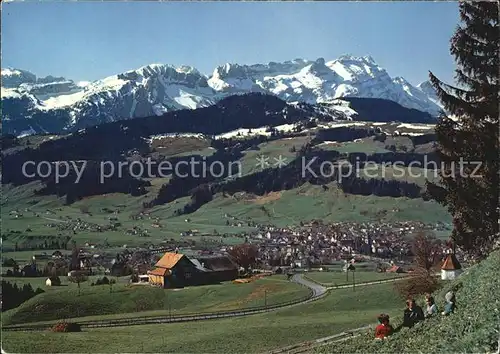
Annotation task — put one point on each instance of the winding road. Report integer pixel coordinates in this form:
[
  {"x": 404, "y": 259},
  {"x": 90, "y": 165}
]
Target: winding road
[{"x": 317, "y": 289}]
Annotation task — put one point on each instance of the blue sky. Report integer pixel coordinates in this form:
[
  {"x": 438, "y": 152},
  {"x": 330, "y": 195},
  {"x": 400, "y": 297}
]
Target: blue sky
[{"x": 91, "y": 40}]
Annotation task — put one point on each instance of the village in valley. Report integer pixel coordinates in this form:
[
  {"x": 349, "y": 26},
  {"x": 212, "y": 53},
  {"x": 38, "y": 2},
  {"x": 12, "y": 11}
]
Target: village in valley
[
  {"x": 312, "y": 247},
  {"x": 241, "y": 205},
  {"x": 305, "y": 247}
]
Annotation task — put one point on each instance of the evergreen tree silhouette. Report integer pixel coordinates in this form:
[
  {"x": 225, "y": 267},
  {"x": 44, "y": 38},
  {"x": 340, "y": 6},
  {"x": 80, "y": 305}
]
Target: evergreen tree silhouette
[{"x": 471, "y": 196}]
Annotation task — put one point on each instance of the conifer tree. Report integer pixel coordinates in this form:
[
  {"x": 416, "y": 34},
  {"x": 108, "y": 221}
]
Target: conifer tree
[{"x": 468, "y": 144}]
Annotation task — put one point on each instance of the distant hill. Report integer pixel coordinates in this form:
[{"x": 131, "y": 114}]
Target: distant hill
[{"x": 380, "y": 110}]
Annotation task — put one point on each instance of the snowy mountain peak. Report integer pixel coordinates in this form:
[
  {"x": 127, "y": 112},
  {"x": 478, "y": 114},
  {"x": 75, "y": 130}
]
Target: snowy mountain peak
[
  {"x": 231, "y": 70},
  {"x": 320, "y": 61},
  {"x": 12, "y": 78},
  {"x": 152, "y": 70},
  {"x": 400, "y": 80},
  {"x": 367, "y": 59},
  {"x": 163, "y": 74},
  {"x": 426, "y": 87},
  {"x": 228, "y": 69},
  {"x": 158, "y": 88},
  {"x": 319, "y": 68},
  {"x": 358, "y": 69},
  {"x": 10, "y": 72},
  {"x": 188, "y": 70}
]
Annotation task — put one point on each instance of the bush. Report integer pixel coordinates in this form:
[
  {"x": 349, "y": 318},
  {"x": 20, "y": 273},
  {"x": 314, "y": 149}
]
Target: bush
[
  {"x": 9, "y": 262},
  {"x": 380, "y": 137},
  {"x": 66, "y": 327},
  {"x": 417, "y": 285},
  {"x": 103, "y": 281}
]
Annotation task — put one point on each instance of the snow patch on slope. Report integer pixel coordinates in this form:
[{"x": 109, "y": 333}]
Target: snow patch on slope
[
  {"x": 83, "y": 84},
  {"x": 10, "y": 72},
  {"x": 63, "y": 100},
  {"x": 243, "y": 132},
  {"x": 28, "y": 132},
  {"x": 415, "y": 126},
  {"x": 10, "y": 93},
  {"x": 343, "y": 124},
  {"x": 413, "y": 134},
  {"x": 176, "y": 135}
]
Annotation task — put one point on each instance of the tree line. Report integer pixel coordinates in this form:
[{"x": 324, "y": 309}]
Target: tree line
[
  {"x": 13, "y": 296},
  {"x": 343, "y": 134}
]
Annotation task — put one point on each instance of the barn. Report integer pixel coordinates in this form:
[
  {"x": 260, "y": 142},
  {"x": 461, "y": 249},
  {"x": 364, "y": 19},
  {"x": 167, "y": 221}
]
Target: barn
[
  {"x": 217, "y": 268},
  {"x": 175, "y": 270}
]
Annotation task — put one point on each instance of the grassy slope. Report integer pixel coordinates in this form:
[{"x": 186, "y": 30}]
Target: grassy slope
[
  {"x": 473, "y": 328},
  {"x": 64, "y": 302},
  {"x": 341, "y": 310},
  {"x": 368, "y": 146},
  {"x": 272, "y": 150},
  {"x": 308, "y": 202}
]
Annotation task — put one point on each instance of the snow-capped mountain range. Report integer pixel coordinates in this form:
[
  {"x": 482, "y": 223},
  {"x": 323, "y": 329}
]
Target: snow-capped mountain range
[{"x": 53, "y": 104}]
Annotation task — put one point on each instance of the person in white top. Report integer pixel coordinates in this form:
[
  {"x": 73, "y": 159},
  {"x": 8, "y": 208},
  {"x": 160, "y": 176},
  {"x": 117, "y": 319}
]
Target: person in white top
[{"x": 431, "y": 308}]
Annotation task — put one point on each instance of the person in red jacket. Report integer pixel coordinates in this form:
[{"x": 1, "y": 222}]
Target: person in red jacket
[{"x": 384, "y": 329}]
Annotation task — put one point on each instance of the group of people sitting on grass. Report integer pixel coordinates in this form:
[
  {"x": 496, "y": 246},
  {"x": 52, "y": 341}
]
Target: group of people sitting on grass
[{"x": 414, "y": 314}]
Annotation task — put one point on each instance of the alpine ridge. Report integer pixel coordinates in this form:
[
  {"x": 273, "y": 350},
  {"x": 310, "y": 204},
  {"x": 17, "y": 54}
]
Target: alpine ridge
[{"x": 55, "y": 104}]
